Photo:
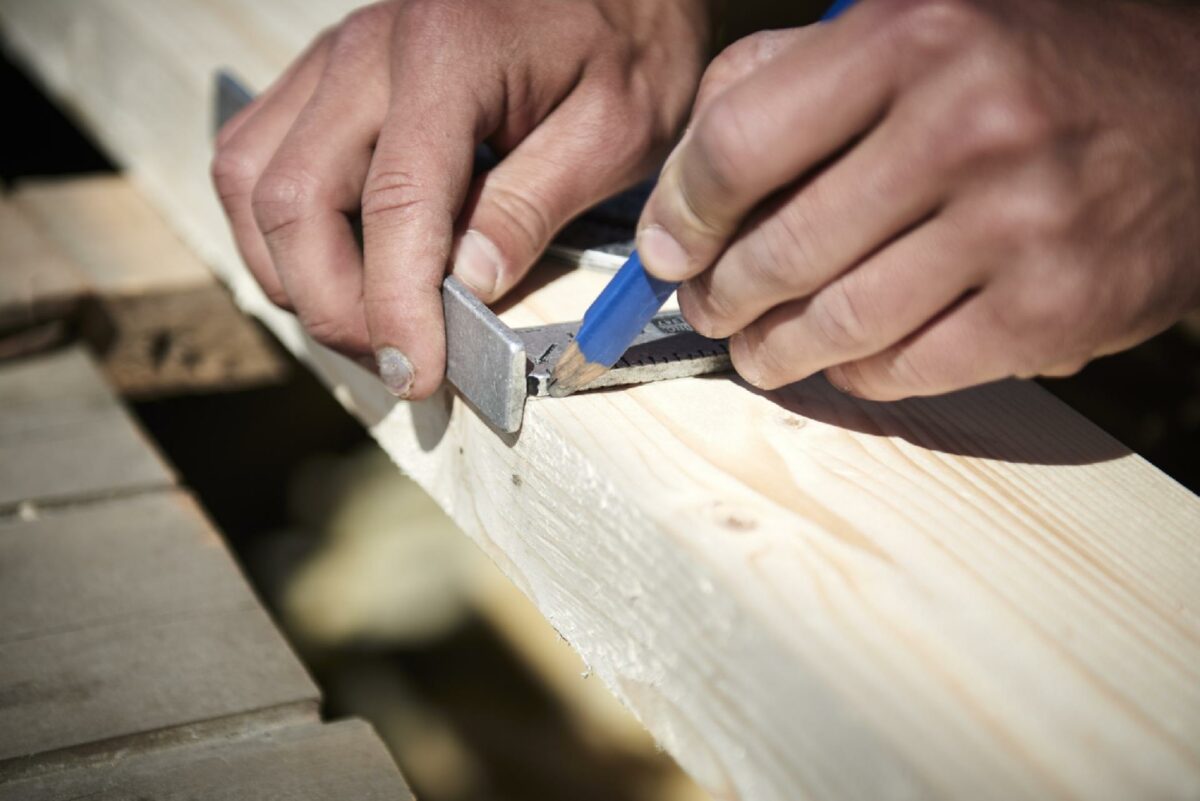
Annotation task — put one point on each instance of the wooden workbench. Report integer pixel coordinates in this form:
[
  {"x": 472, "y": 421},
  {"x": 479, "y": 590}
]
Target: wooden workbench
[{"x": 802, "y": 595}]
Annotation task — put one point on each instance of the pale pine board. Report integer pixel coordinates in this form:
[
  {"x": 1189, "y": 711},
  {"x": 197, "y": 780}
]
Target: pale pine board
[{"x": 801, "y": 595}]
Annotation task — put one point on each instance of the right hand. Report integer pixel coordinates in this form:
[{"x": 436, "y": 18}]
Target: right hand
[{"x": 381, "y": 116}]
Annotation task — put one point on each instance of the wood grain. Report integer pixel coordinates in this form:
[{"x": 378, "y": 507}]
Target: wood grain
[{"x": 800, "y": 594}]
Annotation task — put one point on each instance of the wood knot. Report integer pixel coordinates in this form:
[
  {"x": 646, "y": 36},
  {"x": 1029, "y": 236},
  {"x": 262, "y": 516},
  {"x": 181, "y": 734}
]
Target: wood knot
[{"x": 737, "y": 520}]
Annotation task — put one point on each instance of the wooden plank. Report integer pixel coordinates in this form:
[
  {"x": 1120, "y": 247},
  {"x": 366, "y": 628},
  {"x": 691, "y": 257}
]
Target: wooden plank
[
  {"x": 800, "y": 594},
  {"x": 64, "y": 435},
  {"x": 39, "y": 287},
  {"x": 156, "y": 317},
  {"x": 37, "y": 280},
  {"x": 129, "y": 616},
  {"x": 302, "y": 763}
]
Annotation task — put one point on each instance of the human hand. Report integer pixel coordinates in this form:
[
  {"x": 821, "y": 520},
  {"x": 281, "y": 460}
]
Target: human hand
[
  {"x": 383, "y": 113},
  {"x": 926, "y": 195}
]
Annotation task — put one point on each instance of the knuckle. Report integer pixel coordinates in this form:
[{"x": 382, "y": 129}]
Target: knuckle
[
  {"x": 282, "y": 198},
  {"x": 391, "y": 197},
  {"x": 234, "y": 173},
  {"x": 743, "y": 54},
  {"x": 932, "y": 28},
  {"x": 604, "y": 103},
  {"x": 999, "y": 120},
  {"x": 838, "y": 320},
  {"x": 1032, "y": 221}
]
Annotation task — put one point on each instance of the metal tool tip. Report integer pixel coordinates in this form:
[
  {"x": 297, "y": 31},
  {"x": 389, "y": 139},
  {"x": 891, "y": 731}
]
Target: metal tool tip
[{"x": 572, "y": 372}]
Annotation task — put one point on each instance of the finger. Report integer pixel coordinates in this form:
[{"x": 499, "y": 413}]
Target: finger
[
  {"x": 867, "y": 310},
  {"x": 315, "y": 179},
  {"x": 882, "y": 187},
  {"x": 757, "y": 136},
  {"x": 417, "y": 180},
  {"x": 973, "y": 343},
  {"x": 244, "y": 153},
  {"x": 567, "y": 164}
]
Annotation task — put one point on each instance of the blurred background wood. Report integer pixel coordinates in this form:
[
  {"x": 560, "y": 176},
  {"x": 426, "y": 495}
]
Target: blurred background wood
[{"x": 91, "y": 253}]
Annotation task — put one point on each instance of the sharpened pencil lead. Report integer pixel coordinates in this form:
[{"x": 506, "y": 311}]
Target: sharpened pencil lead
[{"x": 572, "y": 372}]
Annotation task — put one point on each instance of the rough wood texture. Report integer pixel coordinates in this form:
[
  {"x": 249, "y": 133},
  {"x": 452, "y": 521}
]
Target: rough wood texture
[
  {"x": 63, "y": 435},
  {"x": 337, "y": 762},
  {"x": 124, "y": 615},
  {"x": 155, "y": 316},
  {"x": 801, "y": 595}
]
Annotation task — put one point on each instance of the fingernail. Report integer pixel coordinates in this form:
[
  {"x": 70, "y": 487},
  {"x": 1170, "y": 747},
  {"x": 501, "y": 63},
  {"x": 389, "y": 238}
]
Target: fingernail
[
  {"x": 665, "y": 256},
  {"x": 477, "y": 263},
  {"x": 395, "y": 371}
]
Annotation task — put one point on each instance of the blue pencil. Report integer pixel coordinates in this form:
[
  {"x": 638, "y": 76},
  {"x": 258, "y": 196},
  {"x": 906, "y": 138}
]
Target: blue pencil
[{"x": 621, "y": 312}]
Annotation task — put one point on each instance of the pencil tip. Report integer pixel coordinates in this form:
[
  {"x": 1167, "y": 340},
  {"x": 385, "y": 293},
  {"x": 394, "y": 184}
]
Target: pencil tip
[{"x": 572, "y": 372}]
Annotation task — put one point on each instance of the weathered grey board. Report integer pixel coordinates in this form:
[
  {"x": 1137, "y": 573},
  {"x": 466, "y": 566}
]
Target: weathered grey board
[
  {"x": 135, "y": 661},
  {"x": 129, "y": 616},
  {"x": 64, "y": 435},
  {"x": 302, "y": 763}
]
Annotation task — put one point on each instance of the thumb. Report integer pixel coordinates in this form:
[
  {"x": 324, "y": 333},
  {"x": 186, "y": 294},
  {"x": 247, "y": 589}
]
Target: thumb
[{"x": 563, "y": 167}]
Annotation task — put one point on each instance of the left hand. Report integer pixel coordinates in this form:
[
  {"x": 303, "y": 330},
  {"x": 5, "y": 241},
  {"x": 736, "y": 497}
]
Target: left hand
[{"x": 926, "y": 195}]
